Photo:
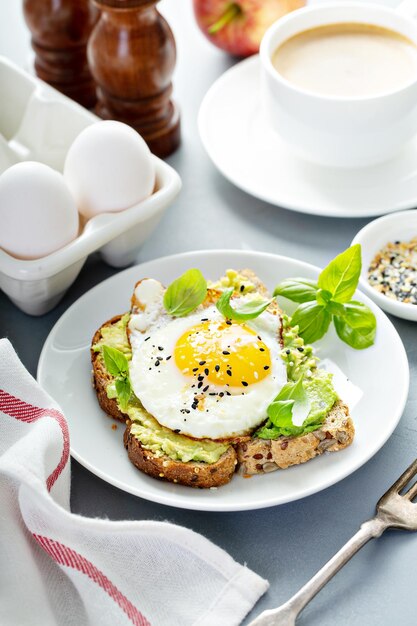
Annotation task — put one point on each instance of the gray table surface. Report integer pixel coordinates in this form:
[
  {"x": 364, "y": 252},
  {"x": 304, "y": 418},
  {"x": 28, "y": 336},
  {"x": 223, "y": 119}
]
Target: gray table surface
[{"x": 285, "y": 544}]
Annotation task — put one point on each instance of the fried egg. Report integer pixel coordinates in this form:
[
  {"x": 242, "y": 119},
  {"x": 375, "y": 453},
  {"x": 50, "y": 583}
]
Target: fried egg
[{"x": 203, "y": 375}]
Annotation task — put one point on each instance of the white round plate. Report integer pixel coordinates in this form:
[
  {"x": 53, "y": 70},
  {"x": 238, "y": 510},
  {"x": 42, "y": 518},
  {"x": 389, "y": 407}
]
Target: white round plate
[
  {"x": 65, "y": 373},
  {"x": 252, "y": 156}
]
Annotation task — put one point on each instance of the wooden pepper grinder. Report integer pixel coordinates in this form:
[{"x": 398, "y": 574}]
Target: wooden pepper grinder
[
  {"x": 132, "y": 55},
  {"x": 60, "y": 31}
]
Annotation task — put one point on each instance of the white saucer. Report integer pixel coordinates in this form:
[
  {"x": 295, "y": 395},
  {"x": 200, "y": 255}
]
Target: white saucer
[{"x": 251, "y": 155}]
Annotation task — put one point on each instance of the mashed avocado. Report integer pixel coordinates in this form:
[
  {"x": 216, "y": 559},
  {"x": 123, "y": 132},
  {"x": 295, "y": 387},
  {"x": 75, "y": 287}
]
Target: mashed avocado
[
  {"x": 162, "y": 440},
  {"x": 233, "y": 279},
  {"x": 318, "y": 385},
  {"x": 114, "y": 336},
  {"x": 299, "y": 360}
]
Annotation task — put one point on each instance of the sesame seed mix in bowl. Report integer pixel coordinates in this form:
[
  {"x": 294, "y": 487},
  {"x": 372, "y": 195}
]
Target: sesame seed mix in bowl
[{"x": 393, "y": 271}]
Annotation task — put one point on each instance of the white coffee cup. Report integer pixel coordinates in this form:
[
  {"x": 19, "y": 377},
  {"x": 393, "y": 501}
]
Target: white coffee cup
[{"x": 335, "y": 130}]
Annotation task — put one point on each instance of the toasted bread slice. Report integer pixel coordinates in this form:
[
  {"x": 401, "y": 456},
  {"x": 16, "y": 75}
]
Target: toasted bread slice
[
  {"x": 191, "y": 474},
  {"x": 101, "y": 377},
  {"x": 259, "y": 456}
]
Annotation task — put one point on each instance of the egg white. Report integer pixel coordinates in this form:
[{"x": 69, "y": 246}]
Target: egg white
[{"x": 167, "y": 393}]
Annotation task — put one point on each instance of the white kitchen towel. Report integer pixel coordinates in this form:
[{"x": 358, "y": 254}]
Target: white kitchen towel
[{"x": 57, "y": 568}]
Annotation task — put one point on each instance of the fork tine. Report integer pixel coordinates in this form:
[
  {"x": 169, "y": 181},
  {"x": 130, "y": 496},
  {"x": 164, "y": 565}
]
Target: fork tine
[
  {"x": 404, "y": 478},
  {"x": 412, "y": 492}
]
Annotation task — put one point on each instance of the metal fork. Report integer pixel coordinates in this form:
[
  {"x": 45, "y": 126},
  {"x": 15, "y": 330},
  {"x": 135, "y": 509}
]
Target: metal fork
[{"x": 393, "y": 510}]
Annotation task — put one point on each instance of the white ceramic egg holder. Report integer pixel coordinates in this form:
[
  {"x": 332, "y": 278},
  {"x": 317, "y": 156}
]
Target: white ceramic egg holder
[{"x": 37, "y": 123}]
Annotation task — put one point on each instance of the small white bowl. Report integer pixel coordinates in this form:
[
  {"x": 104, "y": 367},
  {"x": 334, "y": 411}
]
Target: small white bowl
[
  {"x": 374, "y": 236},
  {"x": 37, "y": 123}
]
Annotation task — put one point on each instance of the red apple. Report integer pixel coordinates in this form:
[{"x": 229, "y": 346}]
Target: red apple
[{"x": 238, "y": 27}]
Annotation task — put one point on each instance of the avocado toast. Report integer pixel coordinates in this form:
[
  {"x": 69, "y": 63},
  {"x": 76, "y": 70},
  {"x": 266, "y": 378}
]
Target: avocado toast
[{"x": 180, "y": 457}]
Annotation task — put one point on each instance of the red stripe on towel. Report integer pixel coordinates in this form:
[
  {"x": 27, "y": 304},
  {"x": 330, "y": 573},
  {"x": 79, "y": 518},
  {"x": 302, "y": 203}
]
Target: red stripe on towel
[
  {"x": 68, "y": 557},
  {"x": 28, "y": 413}
]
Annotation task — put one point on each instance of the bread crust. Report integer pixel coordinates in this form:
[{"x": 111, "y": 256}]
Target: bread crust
[
  {"x": 260, "y": 456},
  {"x": 191, "y": 474},
  {"x": 101, "y": 377}
]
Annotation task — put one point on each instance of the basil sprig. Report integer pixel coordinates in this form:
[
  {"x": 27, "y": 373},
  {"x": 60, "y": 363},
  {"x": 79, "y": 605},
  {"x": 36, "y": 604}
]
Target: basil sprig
[
  {"x": 186, "y": 293},
  {"x": 280, "y": 412},
  {"x": 118, "y": 366},
  {"x": 246, "y": 311},
  {"x": 330, "y": 300}
]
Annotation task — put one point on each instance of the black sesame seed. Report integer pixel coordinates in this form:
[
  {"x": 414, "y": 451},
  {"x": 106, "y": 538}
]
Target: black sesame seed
[
  {"x": 160, "y": 348},
  {"x": 200, "y": 378},
  {"x": 300, "y": 349},
  {"x": 221, "y": 394},
  {"x": 244, "y": 383},
  {"x": 287, "y": 351},
  {"x": 204, "y": 319},
  {"x": 242, "y": 288},
  {"x": 261, "y": 349},
  {"x": 177, "y": 430},
  {"x": 228, "y": 322},
  {"x": 202, "y": 363},
  {"x": 212, "y": 393},
  {"x": 206, "y": 371},
  {"x": 259, "y": 338},
  {"x": 225, "y": 352},
  {"x": 229, "y": 372},
  {"x": 200, "y": 384},
  {"x": 228, "y": 393},
  {"x": 168, "y": 357},
  {"x": 157, "y": 363},
  {"x": 206, "y": 388},
  {"x": 146, "y": 338},
  {"x": 195, "y": 369},
  {"x": 217, "y": 368},
  {"x": 266, "y": 367}
]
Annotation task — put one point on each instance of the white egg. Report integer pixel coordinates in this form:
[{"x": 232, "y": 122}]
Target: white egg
[
  {"x": 37, "y": 211},
  {"x": 180, "y": 368},
  {"x": 109, "y": 168}
]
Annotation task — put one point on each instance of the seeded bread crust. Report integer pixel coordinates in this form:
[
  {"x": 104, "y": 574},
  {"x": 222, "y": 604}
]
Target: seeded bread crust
[
  {"x": 191, "y": 474},
  {"x": 260, "y": 456},
  {"x": 101, "y": 377}
]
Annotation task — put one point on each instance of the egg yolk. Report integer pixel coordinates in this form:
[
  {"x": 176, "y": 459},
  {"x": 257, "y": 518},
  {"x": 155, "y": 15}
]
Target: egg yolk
[{"x": 223, "y": 353}]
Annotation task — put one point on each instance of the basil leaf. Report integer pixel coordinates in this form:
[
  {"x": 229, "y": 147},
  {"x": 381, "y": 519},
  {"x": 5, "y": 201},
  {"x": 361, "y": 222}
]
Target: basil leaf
[
  {"x": 115, "y": 361},
  {"x": 292, "y": 391},
  {"x": 356, "y": 326},
  {"x": 312, "y": 320},
  {"x": 341, "y": 276},
  {"x": 280, "y": 413},
  {"x": 124, "y": 391},
  {"x": 247, "y": 311},
  {"x": 291, "y": 400},
  {"x": 185, "y": 293},
  {"x": 297, "y": 289},
  {"x": 323, "y": 297}
]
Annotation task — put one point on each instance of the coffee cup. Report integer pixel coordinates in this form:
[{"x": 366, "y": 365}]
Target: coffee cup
[{"x": 342, "y": 129}]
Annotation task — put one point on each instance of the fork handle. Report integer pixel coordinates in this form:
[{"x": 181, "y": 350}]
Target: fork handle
[{"x": 370, "y": 529}]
